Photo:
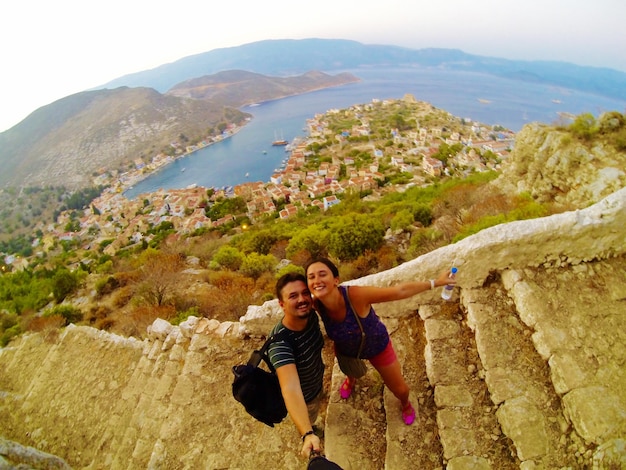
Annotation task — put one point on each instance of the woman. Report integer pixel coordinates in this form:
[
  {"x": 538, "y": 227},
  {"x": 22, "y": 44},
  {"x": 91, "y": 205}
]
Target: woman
[{"x": 347, "y": 313}]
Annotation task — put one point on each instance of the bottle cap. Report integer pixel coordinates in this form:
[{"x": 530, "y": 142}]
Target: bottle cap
[{"x": 454, "y": 270}]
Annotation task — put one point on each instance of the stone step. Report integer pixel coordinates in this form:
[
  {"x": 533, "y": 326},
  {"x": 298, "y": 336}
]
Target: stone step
[
  {"x": 19, "y": 364},
  {"x": 581, "y": 339},
  {"x": 151, "y": 389},
  {"x": 417, "y": 445},
  {"x": 354, "y": 430},
  {"x": 517, "y": 378},
  {"x": 466, "y": 419}
]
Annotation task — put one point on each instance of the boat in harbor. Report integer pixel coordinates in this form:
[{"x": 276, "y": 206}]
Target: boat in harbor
[{"x": 279, "y": 140}]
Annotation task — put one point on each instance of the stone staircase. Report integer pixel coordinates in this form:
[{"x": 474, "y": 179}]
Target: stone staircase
[
  {"x": 511, "y": 375},
  {"x": 525, "y": 369},
  {"x": 518, "y": 373}
]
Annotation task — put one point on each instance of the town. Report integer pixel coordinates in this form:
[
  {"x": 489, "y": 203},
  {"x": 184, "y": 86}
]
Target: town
[{"x": 402, "y": 137}]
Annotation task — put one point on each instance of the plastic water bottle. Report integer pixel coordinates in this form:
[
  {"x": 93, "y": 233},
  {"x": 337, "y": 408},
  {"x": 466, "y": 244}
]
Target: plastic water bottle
[{"x": 446, "y": 292}]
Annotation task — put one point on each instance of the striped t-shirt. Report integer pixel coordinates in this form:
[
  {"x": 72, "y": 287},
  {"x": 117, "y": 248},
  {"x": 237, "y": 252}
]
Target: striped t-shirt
[{"x": 304, "y": 348}]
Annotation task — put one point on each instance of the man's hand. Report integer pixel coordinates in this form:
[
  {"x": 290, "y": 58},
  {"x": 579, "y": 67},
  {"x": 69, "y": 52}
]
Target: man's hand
[{"x": 311, "y": 442}]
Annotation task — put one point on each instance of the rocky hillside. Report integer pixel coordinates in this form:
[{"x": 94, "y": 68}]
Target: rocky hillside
[
  {"x": 516, "y": 372},
  {"x": 71, "y": 140},
  {"x": 552, "y": 166}
]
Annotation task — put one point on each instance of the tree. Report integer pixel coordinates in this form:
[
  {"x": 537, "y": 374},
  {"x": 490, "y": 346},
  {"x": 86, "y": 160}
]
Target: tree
[
  {"x": 159, "y": 275},
  {"x": 228, "y": 257},
  {"x": 402, "y": 220},
  {"x": 233, "y": 205},
  {"x": 261, "y": 241},
  {"x": 313, "y": 240},
  {"x": 64, "y": 283},
  {"x": 256, "y": 264},
  {"x": 353, "y": 234}
]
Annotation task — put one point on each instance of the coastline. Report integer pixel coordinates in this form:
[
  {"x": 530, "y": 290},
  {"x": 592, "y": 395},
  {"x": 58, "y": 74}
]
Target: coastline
[{"x": 130, "y": 181}]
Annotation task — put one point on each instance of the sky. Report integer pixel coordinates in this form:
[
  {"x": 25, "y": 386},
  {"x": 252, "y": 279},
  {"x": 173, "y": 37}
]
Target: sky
[{"x": 53, "y": 49}]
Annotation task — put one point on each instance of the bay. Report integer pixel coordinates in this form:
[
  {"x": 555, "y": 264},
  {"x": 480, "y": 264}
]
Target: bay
[{"x": 249, "y": 155}]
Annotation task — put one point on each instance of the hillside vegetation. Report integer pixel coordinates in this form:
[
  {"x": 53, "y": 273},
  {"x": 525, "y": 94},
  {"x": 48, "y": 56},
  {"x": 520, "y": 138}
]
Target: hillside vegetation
[
  {"x": 218, "y": 273},
  {"x": 74, "y": 140}
]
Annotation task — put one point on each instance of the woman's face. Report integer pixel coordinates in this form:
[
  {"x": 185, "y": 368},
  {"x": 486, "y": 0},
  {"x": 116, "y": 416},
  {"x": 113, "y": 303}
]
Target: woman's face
[{"x": 320, "y": 280}]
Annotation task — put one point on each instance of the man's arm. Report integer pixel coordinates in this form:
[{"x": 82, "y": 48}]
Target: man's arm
[{"x": 296, "y": 406}]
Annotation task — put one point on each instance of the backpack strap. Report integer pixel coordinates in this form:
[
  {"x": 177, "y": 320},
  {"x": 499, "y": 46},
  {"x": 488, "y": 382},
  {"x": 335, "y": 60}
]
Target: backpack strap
[{"x": 261, "y": 354}]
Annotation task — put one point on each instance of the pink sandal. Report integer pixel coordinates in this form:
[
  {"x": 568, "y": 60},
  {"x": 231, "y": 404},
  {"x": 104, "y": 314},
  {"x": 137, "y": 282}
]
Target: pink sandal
[
  {"x": 346, "y": 390},
  {"x": 408, "y": 414}
]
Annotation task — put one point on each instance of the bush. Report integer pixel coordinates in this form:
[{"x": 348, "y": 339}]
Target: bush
[
  {"x": 255, "y": 264},
  {"x": 290, "y": 268},
  {"x": 70, "y": 313},
  {"x": 106, "y": 285},
  {"x": 47, "y": 326},
  {"x": 228, "y": 257},
  {"x": 9, "y": 334},
  {"x": 182, "y": 316},
  {"x": 64, "y": 283},
  {"x": 354, "y": 234},
  {"x": 402, "y": 220},
  {"x": 584, "y": 126}
]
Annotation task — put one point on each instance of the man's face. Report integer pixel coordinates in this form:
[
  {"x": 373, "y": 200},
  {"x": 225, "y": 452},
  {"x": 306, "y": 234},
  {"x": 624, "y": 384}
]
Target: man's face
[{"x": 296, "y": 299}]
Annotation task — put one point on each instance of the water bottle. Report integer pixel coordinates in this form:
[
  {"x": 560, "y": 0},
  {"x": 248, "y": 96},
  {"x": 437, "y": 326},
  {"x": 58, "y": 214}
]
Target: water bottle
[{"x": 446, "y": 292}]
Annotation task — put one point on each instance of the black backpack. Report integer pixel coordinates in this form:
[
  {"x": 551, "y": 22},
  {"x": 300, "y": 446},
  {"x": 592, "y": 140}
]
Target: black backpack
[
  {"x": 257, "y": 389},
  {"x": 318, "y": 462}
]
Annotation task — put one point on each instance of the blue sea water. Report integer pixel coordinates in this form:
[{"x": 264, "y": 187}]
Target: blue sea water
[{"x": 241, "y": 158}]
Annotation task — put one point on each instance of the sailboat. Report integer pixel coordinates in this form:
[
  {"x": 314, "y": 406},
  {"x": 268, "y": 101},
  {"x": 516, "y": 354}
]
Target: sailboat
[{"x": 279, "y": 140}]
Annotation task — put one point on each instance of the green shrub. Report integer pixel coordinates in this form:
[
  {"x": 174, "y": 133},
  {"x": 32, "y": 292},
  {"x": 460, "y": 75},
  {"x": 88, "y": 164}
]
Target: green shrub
[
  {"x": 106, "y": 285},
  {"x": 402, "y": 220},
  {"x": 9, "y": 334},
  {"x": 290, "y": 268},
  {"x": 182, "y": 316},
  {"x": 70, "y": 313},
  {"x": 528, "y": 209},
  {"x": 64, "y": 283},
  {"x": 255, "y": 264}
]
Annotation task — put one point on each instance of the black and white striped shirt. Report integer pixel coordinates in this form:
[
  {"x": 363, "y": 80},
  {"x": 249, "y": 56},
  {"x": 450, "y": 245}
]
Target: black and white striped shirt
[{"x": 304, "y": 348}]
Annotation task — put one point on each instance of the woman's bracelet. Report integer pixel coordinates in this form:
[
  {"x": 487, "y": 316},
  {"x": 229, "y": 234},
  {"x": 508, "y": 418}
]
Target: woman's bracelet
[
  {"x": 308, "y": 433},
  {"x": 432, "y": 284}
]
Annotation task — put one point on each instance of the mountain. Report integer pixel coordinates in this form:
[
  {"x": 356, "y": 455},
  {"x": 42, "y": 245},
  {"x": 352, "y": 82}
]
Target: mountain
[
  {"x": 139, "y": 115},
  {"x": 65, "y": 142},
  {"x": 69, "y": 141},
  {"x": 285, "y": 57},
  {"x": 238, "y": 88}
]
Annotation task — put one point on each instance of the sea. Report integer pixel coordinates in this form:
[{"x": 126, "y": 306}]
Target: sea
[{"x": 249, "y": 155}]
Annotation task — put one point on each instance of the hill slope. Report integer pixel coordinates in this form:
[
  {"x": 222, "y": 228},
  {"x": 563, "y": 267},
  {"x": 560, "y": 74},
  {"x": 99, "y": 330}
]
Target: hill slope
[
  {"x": 70, "y": 140},
  {"x": 237, "y": 87}
]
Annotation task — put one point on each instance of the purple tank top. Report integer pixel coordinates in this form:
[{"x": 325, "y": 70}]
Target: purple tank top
[{"x": 347, "y": 334}]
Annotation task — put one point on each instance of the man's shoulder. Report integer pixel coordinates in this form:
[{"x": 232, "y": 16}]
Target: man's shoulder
[{"x": 278, "y": 327}]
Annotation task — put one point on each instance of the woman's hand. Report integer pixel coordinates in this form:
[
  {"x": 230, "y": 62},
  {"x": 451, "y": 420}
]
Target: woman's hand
[{"x": 444, "y": 279}]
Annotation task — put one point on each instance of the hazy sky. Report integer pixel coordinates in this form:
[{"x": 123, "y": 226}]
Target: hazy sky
[{"x": 52, "y": 49}]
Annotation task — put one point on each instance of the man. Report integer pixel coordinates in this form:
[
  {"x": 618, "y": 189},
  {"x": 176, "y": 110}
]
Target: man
[{"x": 298, "y": 357}]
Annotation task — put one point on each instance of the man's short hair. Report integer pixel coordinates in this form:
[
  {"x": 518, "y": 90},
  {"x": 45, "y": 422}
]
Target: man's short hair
[{"x": 286, "y": 279}]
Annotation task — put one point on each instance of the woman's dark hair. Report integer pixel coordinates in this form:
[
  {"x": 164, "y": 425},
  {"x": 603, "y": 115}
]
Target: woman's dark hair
[{"x": 329, "y": 264}]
